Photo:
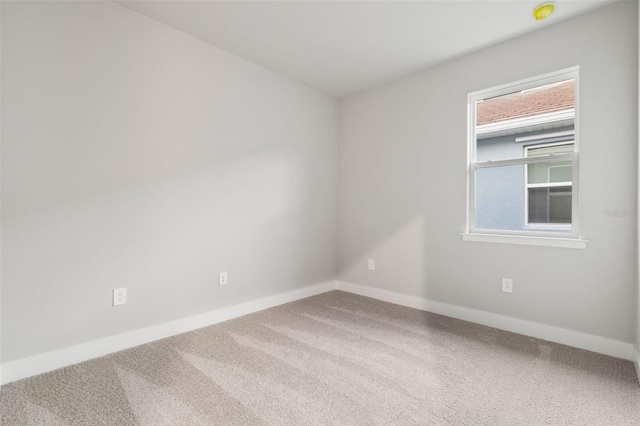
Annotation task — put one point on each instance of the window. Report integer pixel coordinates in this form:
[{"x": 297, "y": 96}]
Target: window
[
  {"x": 549, "y": 188},
  {"x": 523, "y": 159}
]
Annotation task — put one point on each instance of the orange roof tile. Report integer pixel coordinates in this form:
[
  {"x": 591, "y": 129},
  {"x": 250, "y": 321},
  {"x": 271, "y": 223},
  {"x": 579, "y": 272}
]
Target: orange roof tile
[{"x": 554, "y": 97}]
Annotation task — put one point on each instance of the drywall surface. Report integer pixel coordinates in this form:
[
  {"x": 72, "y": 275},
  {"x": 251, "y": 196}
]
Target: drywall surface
[
  {"x": 403, "y": 182},
  {"x": 637, "y": 342},
  {"x": 137, "y": 156}
]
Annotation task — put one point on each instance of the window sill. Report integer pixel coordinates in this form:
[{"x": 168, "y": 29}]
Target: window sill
[{"x": 573, "y": 243}]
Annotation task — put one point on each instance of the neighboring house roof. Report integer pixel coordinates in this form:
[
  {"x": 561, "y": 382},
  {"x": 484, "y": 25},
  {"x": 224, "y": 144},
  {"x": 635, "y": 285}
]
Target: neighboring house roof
[{"x": 545, "y": 99}]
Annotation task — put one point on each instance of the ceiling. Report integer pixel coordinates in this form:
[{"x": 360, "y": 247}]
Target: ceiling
[{"x": 342, "y": 47}]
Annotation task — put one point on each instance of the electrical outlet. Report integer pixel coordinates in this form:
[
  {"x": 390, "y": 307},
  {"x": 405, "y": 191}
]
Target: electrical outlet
[
  {"x": 223, "y": 279},
  {"x": 507, "y": 285},
  {"x": 119, "y": 296},
  {"x": 372, "y": 264}
]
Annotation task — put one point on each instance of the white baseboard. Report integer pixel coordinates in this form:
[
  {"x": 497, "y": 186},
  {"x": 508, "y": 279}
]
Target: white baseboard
[
  {"x": 576, "y": 339},
  {"x": 636, "y": 360},
  {"x": 42, "y": 363},
  {"x": 38, "y": 364}
]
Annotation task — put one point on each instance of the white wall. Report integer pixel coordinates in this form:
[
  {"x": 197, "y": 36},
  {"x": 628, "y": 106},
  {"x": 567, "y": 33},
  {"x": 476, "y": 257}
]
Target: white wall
[
  {"x": 1, "y": 205},
  {"x": 637, "y": 339},
  {"x": 402, "y": 174},
  {"x": 136, "y": 156}
]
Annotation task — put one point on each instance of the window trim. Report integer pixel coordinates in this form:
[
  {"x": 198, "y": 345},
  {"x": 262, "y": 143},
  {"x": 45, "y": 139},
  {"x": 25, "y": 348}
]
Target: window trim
[
  {"x": 527, "y": 236},
  {"x": 574, "y": 243}
]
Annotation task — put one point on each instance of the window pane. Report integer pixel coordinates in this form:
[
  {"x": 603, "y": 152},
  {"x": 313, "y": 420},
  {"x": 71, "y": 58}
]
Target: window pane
[
  {"x": 500, "y": 197},
  {"x": 549, "y": 149},
  {"x": 549, "y": 172},
  {"x": 560, "y": 173},
  {"x": 538, "y": 205},
  {"x": 550, "y": 205},
  {"x": 503, "y": 123},
  {"x": 498, "y": 148}
]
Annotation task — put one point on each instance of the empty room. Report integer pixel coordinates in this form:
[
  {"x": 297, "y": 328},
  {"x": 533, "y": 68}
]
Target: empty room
[{"x": 319, "y": 212}]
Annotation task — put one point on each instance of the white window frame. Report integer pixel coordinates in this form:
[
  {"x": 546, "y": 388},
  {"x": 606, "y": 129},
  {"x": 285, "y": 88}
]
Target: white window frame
[
  {"x": 527, "y": 185},
  {"x": 569, "y": 239}
]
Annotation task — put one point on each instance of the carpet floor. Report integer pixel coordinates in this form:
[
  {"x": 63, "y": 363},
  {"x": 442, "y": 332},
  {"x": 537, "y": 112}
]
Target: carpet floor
[{"x": 334, "y": 359}]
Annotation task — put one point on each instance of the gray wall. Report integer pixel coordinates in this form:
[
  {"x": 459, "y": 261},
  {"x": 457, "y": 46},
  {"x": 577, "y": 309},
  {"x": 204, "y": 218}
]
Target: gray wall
[
  {"x": 136, "y": 156},
  {"x": 638, "y": 190},
  {"x": 402, "y": 174}
]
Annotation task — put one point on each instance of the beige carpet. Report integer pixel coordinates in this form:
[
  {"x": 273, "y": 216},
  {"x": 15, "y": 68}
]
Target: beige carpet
[{"x": 335, "y": 359}]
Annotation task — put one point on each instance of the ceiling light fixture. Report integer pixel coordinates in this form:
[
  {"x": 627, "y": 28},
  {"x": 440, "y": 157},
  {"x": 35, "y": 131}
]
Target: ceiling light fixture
[{"x": 543, "y": 10}]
